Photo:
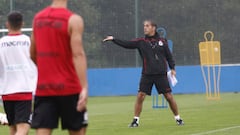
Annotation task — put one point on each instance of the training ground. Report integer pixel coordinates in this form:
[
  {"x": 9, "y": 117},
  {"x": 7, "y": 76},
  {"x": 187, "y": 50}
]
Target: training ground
[{"x": 111, "y": 116}]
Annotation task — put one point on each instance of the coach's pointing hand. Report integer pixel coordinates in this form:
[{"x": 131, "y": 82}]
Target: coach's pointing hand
[{"x": 108, "y": 38}]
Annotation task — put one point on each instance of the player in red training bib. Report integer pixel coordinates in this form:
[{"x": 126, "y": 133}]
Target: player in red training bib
[{"x": 62, "y": 88}]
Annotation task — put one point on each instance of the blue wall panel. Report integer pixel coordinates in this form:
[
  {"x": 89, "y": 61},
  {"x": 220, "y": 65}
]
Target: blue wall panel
[
  {"x": 125, "y": 81},
  {"x": 230, "y": 80}
]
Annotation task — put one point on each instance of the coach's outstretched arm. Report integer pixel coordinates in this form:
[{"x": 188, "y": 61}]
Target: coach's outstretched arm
[{"x": 122, "y": 43}]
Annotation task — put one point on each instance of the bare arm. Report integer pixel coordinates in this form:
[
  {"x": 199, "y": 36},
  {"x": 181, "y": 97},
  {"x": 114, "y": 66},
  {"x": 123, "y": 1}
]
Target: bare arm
[{"x": 76, "y": 28}]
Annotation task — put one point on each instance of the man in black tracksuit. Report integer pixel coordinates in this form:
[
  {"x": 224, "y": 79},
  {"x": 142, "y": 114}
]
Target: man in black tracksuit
[
  {"x": 156, "y": 58},
  {"x": 154, "y": 52}
]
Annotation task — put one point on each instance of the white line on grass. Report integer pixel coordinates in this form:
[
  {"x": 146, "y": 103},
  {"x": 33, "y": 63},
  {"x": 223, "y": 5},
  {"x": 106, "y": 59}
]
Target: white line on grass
[{"x": 215, "y": 131}]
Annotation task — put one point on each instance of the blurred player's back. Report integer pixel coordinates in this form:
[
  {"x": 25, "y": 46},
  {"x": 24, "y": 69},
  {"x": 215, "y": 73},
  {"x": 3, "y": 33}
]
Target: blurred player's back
[{"x": 54, "y": 57}]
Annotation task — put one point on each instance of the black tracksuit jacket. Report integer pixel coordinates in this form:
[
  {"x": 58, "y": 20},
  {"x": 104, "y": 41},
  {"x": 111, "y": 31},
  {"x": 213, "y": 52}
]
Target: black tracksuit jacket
[{"x": 154, "y": 52}]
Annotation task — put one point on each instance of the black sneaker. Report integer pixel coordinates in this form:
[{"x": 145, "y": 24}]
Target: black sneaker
[
  {"x": 133, "y": 124},
  {"x": 180, "y": 122}
]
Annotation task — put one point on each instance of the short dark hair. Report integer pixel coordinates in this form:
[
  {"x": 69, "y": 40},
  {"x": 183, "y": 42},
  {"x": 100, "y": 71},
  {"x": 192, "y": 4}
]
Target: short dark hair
[
  {"x": 151, "y": 22},
  {"x": 15, "y": 20}
]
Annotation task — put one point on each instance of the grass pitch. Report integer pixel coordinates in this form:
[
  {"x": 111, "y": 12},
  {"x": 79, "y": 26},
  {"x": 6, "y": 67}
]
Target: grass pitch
[{"x": 111, "y": 116}]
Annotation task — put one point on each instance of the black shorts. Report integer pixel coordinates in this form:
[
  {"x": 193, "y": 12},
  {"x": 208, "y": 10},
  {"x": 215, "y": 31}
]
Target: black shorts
[
  {"x": 18, "y": 111},
  {"x": 160, "y": 81},
  {"x": 48, "y": 111}
]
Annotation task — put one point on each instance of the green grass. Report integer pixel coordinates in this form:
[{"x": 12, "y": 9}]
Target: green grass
[{"x": 111, "y": 116}]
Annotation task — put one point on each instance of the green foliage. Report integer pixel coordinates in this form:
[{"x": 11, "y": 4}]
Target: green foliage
[
  {"x": 3, "y": 11},
  {"x": 84, "y": 8},
  {"x": 185, "y": 21}
]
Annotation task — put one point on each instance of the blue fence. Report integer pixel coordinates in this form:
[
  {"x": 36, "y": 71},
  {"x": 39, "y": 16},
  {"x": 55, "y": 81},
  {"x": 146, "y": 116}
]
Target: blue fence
[{"x": 125, "y": 81}]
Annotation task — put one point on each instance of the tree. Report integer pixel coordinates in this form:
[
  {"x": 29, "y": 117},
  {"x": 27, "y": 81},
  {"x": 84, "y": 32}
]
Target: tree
[{"x": 185, "y": 22}]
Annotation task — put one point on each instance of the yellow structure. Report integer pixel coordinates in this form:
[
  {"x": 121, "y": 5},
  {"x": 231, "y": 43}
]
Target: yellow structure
[{"x": 210, "y": 59}]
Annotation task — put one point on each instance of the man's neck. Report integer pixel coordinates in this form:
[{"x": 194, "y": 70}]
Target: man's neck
[
  {"x": 59, "y": 4},
  {"x": 151, "y": 34},
  {"x": 14, "y": 32}
]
